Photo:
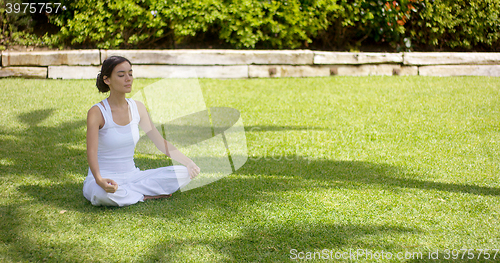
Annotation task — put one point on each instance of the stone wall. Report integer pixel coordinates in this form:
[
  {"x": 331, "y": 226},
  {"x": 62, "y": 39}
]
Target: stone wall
[{"x": 85, "y": 64}]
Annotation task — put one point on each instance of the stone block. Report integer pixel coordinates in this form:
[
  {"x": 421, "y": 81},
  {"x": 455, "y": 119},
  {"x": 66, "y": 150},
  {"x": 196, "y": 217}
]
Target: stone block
[
  {"x": 51, "y": 58},
  {"x": 406, "y": 71},
  {"x": 167, "y": 71},
  {"x": 73, "y": 72},
  {"x": 261, "y": 71},
  {"x": 450, "y": 58},
  {"x": 365, "y": 70},
  {"x": 460, "y": 70},
  {"x": 24, "y": 72},
  {"x": 213, "y": 57},
  {"x": 352, "y": 58}
]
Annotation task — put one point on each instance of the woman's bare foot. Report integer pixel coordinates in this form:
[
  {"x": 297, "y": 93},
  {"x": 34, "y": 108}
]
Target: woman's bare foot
[{"x": 147, "y": 197}]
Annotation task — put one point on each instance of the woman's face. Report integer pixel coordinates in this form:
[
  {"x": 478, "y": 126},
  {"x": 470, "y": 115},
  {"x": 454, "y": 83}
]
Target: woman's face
[{"x": 121, "y": 78}]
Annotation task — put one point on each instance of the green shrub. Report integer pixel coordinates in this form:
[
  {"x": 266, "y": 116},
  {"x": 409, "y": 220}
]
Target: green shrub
[
  {"x": 15, "y": 26},
  {"x": 270, "y": 24},
  {"x": 416, "y": 24},
  {"x": 356, "y": 21},
  {"x": 102, "y": 24},
  {"x": 463, "y": 24},
  {"x": 136, "y": 24},
  {"x": 243, "y": 24},
  {"x": 274, "y": 24},
  {"x": 190, "y": 18}
]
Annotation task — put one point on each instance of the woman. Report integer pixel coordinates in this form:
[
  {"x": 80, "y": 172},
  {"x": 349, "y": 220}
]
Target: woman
[{"x": 112, "y": 133}]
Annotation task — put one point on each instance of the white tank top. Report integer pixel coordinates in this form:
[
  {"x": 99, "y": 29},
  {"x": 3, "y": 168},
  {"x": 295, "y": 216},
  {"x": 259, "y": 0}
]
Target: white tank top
[{"x": 115, "y": 153}]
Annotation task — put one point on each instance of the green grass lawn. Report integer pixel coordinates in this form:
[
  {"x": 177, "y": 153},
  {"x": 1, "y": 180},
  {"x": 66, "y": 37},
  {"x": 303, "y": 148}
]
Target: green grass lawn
[{"x": 393, "y": 164}]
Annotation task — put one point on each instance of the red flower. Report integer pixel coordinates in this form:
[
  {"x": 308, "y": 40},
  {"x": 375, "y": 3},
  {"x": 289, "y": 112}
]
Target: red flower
[{"x": 387, "y": 6}]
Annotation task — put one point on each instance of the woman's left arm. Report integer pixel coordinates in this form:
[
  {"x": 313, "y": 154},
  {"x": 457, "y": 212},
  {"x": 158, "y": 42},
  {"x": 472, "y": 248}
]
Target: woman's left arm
[{"x": 163, "y": 145}]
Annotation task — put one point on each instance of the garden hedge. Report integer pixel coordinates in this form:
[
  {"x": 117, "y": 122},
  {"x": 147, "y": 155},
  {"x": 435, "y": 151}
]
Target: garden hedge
[{"x": 270, "y": 24}]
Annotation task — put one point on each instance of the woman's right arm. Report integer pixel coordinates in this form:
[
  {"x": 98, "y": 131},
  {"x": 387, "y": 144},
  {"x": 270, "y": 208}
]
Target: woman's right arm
[{"x": 94, "y": 121}]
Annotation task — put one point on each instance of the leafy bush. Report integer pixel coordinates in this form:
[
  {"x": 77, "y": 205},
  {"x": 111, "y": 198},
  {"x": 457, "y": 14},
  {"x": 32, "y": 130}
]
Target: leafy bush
[
  {"x": 415, "y": 24},
  {"x": 243, "y": 24},
  {"x": 463, "y": 24},
  {"x": 270, "y": 24},
  {"x": 15, "y": 26},
  {"x": 379, "y": 21},
  {"x": 188, "y": 19},
  {"x": 94, "y": 23},
  {"x": 135, "y": 24},
  {"x": 275, "y": 24}
]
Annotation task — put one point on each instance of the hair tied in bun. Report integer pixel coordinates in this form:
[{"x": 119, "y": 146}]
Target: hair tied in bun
[{"x": 106, "y": 69}]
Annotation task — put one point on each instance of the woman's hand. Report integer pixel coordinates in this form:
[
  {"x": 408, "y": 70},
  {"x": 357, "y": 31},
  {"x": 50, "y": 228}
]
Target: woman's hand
[
  {"x": 108, "y": 185},
  {"x": 193, "y": 170}
]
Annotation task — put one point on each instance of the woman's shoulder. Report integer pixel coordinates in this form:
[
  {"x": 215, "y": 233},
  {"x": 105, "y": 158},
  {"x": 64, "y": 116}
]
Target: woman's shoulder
[
  {"x": 94, "y": 110},
  {"x": 141, "y": 109},
  {"x": 95, "y": 115},
  {"x": 140, "y": 105},
  {"x": 95, "y": 107}
]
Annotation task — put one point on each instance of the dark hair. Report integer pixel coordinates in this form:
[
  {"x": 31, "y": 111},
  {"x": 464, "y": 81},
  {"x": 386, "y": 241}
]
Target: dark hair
[{"x": 107, "y": 68}]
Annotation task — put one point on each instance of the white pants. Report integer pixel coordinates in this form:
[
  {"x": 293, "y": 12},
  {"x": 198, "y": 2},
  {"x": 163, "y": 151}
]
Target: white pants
[{"x": 134, "y": 185}]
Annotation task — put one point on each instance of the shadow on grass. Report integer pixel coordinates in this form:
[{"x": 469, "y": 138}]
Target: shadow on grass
[
  {"x": 230, "y": 196},
  {"x": 260, "y": 241},
  {"x": 257, "y": 243},
  {"x": 43, "y": 151},
  {"x": 26, "y": 235},
  {"x": 276, "y": 176},
  {"x": 40, "y": 150},
  {"x": 275, "y": 243},
  {"x": 348, "y": 172}
]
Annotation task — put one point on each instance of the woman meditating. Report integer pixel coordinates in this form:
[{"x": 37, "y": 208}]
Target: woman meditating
[{"x": 112, "y": 133}]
